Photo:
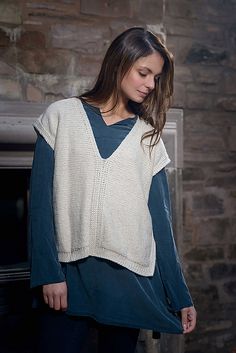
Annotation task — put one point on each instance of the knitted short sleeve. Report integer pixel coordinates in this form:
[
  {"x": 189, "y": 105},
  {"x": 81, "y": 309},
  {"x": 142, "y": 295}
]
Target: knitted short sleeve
[
  {"x": 47, "y": 124},
  {"x": 161, "y": 158}
]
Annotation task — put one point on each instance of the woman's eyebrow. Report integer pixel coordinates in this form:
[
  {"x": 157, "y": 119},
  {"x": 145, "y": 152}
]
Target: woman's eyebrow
[{"x": 147, "y": 68}]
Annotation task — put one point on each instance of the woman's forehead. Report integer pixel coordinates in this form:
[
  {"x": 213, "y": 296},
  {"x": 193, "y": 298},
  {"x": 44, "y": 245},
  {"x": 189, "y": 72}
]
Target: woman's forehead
[{"x": 153, "y": 62}]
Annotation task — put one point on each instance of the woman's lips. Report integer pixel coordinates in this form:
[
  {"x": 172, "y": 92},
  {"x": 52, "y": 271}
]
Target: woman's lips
[{"x": 142, "y": 93}]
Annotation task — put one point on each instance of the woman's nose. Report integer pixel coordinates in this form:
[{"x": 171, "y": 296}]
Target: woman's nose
[{"x": 150, "y": 84}]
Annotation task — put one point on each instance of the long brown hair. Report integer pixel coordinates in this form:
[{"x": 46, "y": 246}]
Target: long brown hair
[{"x": 123, "y": 52}]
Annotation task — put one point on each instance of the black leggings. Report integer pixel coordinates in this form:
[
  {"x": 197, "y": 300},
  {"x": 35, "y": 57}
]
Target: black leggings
[{"x": 60, "y": 333}]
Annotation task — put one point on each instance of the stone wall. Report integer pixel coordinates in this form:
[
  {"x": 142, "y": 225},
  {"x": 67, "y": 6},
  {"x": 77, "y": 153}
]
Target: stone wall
[
  {"x": 53, "y": 49},
  {"x": 202, "y": 35}
]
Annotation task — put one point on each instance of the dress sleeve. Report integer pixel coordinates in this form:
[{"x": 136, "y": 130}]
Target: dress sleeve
[
  {"x": 167, "y": 256},
  {"x": 45, "y": 267}
]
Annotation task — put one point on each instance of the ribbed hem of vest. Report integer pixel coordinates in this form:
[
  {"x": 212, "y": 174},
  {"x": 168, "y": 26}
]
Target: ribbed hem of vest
[{"x": 140, "y": 269}]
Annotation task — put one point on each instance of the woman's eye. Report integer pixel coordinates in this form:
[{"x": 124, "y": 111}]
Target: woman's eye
[{"x": 141, "y": 74}]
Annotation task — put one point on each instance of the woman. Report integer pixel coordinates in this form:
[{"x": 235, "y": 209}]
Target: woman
[{"x": 102, "y": 248}]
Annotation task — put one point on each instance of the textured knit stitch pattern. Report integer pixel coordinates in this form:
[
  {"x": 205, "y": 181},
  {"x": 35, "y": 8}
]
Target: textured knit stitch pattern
[{"x": 101, "y": 205}]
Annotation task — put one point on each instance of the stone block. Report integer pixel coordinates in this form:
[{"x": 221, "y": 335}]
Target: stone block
[
  {"x": 231, "y": 209},
  {"x": 198, "y": 155},
  {"x": 180, "y": 47},
  {"x": 211, "y": 33},
  {"x": 180, "y": 9},
  {"x": 210, "y": 75},
  {"x": 202, "y": 88},
  {"x": 221, "y": 14},
  {"x": 118, "y": 26},
  {"x": 204, "y": 253},
  {"x": 201, "y": 10},
  {"x": 33, "y": 94},
  {"x": 179, "y": 95},
  {"x": 224, "y": 182},
  {"x": 198, "y": 101},
  {"x": 4, "y": 39},
  {"x": 230, "y": 288},
  {"x": 232, "y": 251},
  {"x": 210, "y": 120},
  {"x": 232, "y": 35},
  {"x": 229, "y": 82},
  {"x": 210, "y": 145},
  {"x": 6, "y": 70},
  {"x": 207, "y": 205},
  {"x": 149, "y": 11},
  {"x": 216, "y": 325},
  {"x": 10, "y": 12},
  {"x": 69, "y": 1},
  {"x": 208, "y": 33},
  {"x": 206, "y": 55},
  {"x": 223, "y": 310},
  {"x": 225, "y": 340},
  {"x": 89, "y": 38},
  {"x": 183, "y": 74},
  {"x": 32, "y": 39},
  {"x": 227, "y": 103},
  {"x": 231, "y": 61},
  {"x": 64, "y": 87},
  {"x": 213, "y": 231},
  {"x": 78, "y": 86},
  {"x": 88, "y": 65},
  {"x": 10, "y": 89},
  {"x": 222, "y": 271},
  {"x": 203, "y": 295},
  {"x": 178, "y": 27},
  {"x": 232, "y": 138},
  {"x": 50, "y": 97},
  {"x": 52, "y": 11},
  {"x": 48, "y": 61},
  {"x": 209, "y": 149},
  {"x": 193, "y": 186},
  {"x": 9, "y": 56},
  {"x": 46, "y": 82},
  {"x": 115, "y": 8},
  {"x": 211, "y": 10},
  {"x": 194, "y": 273},
  {"x": 193, "y": 174},
  {"x": 225, "y": 168}
]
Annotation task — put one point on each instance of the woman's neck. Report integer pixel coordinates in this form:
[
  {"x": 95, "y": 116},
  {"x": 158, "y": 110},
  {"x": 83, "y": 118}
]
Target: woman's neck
[{"x": 120, "y": 110}]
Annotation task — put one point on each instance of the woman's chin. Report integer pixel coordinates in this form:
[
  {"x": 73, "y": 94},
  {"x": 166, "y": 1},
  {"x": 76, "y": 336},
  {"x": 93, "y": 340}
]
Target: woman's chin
[{"x": 138, "y": 99}]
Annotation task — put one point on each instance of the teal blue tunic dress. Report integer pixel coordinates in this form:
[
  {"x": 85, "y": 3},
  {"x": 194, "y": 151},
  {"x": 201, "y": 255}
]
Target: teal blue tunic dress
[{"x": 97, "y": 287}]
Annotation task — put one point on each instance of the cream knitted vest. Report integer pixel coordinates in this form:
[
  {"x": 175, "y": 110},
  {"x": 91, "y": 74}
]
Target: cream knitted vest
[{"x": 101, "y": 205}]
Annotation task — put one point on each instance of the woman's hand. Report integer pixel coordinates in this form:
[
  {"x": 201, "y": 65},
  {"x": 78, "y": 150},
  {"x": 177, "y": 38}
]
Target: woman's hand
[
  {"x": 188, "y": 318},
  {"x": 55, "y": 295}
]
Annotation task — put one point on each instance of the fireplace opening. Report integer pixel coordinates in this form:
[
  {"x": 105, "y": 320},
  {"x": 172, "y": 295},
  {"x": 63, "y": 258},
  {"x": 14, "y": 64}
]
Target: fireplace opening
[{"x": 14, "y": 191}]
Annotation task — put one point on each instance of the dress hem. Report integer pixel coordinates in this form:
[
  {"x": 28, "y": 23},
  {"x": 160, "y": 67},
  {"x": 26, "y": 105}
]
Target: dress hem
[{"x": 117, "y": 323}]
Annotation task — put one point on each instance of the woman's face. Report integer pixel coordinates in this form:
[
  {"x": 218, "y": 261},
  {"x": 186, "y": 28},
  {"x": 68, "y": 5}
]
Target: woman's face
[{"x": 139, "y": 81}]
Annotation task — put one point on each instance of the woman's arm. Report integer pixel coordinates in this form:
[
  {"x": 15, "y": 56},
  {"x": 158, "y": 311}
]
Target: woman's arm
[
  {"x": 167, "y": 256},
  {"x": 45, "y": 268}
]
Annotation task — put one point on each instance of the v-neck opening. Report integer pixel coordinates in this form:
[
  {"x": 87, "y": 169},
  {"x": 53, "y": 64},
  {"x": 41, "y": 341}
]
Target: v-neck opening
[
  {"x": 92, "y": 136},
  {"x": 99, "y": 113},
  {"x": 117, "y": 122}
]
